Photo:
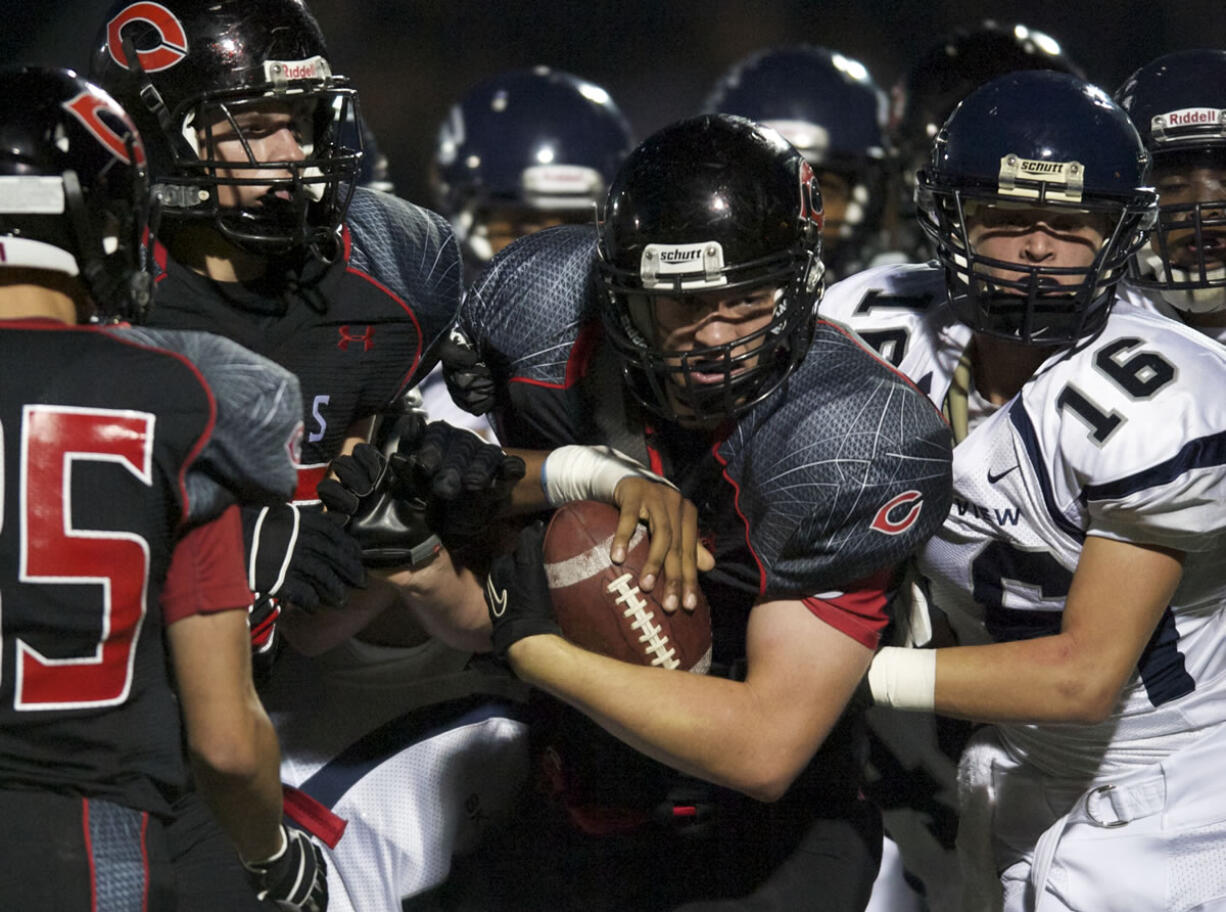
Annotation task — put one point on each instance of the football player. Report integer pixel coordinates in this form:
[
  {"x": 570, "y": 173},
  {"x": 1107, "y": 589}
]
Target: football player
[
  {"x": 525, "y": 150},
  {"x": 1176, "y": 104},
  {"x": 265, "y": 239},
  {"x": 943, "y": 75},
  {"x": 521, "y": 151},
  {"x": 124, "y": 450},
  {"x": 684, "y": 334},
  {"x": 1080, "y": 567},
  {"x": 827, "y": 106}
]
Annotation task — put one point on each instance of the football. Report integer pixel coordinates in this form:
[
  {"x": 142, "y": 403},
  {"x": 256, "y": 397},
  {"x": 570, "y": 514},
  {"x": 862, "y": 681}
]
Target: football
[{"x": 599, "y": 605}]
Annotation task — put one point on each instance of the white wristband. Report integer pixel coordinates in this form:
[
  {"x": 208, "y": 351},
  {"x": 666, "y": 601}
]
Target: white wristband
[
  {"x": 904, "y": 678},
  {"x": 575, "y": 472}
]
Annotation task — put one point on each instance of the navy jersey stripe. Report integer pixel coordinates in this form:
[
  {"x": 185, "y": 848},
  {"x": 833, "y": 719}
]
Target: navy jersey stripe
[
  {"x": 1201, "y": 453},
  {"x": 1030, "y": 440}
]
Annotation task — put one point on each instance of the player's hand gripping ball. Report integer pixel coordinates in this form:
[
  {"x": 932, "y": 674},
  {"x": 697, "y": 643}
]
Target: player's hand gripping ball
[{"x": 599, "y": 605}]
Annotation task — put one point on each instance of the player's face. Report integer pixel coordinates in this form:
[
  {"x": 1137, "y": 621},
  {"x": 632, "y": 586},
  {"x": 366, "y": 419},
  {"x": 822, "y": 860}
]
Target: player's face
[
  {"x": 1029, "y": 236},
  {"x": 1185, "y": 186},
  {"x": 693, "y": 323},
  {"x": 265, "y": 133}
]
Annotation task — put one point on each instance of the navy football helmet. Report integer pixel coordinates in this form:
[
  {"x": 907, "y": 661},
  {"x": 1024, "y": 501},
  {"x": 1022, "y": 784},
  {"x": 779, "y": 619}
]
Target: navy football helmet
[
  {"x": 947, "y": 72},
  {"x": 828, "y": 107},
  {"x": 1036, "y": 140},
  {"x": 711, "y": 204},
  {"x": 1178, "y": 104},
  {"x": 188, "y": 71},
  {"x": 74, "y": 196},
  {"x": 538, "y": 141}
]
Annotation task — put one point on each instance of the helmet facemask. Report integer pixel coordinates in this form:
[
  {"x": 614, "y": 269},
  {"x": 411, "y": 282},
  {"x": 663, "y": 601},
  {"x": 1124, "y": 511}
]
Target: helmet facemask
[
  {"x": 751, "y": 367},
  {"x": 1034, "y": 304},
  {"x": 1185, "y": 259},
  {"x": 218, "y": 159}
]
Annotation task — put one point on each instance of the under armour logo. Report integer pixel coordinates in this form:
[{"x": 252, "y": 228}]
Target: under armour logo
[
  {"x": 496, "y": 597},
  {"x": 347, "y": 336}
]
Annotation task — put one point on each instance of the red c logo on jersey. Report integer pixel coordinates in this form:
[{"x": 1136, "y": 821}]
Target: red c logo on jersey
[
  {"x": 882, "y": 522},
  {"x": 172, "y": 39},
  {"x": 86, "y": 107}
]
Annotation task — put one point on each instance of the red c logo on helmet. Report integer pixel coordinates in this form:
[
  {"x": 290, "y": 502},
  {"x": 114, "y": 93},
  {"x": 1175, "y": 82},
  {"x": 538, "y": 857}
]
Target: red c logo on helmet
[
  {"x": 172, "y": 44},
  {"x": 85, "y": 107},
  {"x": 882, "y": 522}
]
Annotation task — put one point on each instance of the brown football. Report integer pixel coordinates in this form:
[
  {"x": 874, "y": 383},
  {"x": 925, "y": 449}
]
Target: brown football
[{"x": 599, "y": 604}]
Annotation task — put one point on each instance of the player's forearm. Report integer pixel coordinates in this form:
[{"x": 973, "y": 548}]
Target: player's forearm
[
  {"x": 528, "y": 496},
  {"x": 708, "y": 727},
  {"x": 447, "y": 600},
  {"x": 243, "y": 787},
  {"x": 1041, "y": 680},
  {"x": 314, "y": 632}
]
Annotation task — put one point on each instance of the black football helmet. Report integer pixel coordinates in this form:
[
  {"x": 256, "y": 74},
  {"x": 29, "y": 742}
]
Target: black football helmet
[
  {"x": 828, "y": 107},
  {"x": 1178, "y": 104},
  {"x": 922, "y": 100},
  {"x": 1046, "y": 140},
  {"x": 74, "y": 197},
  {"x": 710, "y": 204},
  {"x": 536, "y": 140},
  {"x": 188, "y": 70}
]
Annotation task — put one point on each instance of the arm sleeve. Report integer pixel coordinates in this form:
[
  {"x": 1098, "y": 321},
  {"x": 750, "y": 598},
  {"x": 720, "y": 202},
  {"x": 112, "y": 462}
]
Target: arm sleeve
[{"x": 207, "y": 572}]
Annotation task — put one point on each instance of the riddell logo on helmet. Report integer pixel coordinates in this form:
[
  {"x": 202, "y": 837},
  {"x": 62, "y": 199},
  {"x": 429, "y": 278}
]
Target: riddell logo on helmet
[
  {"x": 1191, "y": 117},
  {"x": 171, "y": 45},
  {"x": 286, "y": 70}
]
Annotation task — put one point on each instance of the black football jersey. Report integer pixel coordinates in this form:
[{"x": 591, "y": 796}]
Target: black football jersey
[
  {"x": 356, "y": 333},
  {"x": 103, "y": 437},
  {"x": 843, "y": 472}
]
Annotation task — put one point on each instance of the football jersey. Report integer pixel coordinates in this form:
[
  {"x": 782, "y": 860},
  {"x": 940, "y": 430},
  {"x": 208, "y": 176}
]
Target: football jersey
[
  {"x": 842, "y": 473},
  {"x": 112, "y": 446},
  {"x": 1115, "y": 438},
  {"x": 356, "y": 332},
  {"x": 1130, "y": 295}
]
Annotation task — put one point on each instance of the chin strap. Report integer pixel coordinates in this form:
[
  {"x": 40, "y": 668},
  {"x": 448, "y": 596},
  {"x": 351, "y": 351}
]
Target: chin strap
[{"x": 955, "y": 408}]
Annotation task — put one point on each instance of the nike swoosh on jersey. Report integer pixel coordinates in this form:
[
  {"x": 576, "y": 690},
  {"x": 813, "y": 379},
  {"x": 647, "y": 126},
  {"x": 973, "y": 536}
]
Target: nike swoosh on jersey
[{"x": 992, "y": 479}]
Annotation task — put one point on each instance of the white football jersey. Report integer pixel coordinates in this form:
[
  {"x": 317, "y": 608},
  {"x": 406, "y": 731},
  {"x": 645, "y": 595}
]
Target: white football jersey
[
  {"x": 1129, "y": 295},
  {"x": 1121, "y": 438},
  {"x": 903, "y": 313}
]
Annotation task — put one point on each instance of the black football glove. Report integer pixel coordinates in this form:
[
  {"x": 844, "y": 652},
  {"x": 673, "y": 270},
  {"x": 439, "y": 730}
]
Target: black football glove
[
  {"x": 469, "y": 481},
  {"x": 300, "y": 556},
  {"x": 517, "y": 592},
  {"x": 296, "y": 879},
  {"x": 469, "y": 379},
  {"x": 388, "y": 520}
]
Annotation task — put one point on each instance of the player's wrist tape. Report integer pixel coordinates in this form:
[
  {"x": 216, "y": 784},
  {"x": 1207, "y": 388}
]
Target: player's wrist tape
[
  {"x": 576, "y": 472},
  {"x": 258, "y": 866},
  {"x": 904, "y": 678}
]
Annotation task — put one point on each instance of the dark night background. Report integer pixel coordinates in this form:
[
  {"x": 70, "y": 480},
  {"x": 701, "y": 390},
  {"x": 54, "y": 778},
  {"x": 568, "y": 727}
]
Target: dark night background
[{"x": 410, "y": 59}]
